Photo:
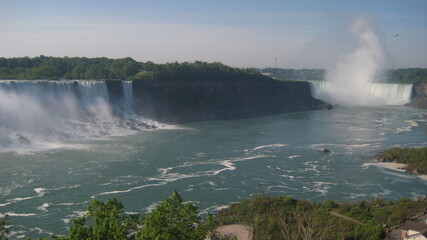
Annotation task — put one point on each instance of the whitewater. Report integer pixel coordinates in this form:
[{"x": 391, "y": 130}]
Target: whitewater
[{"x": 40, "y": 115}]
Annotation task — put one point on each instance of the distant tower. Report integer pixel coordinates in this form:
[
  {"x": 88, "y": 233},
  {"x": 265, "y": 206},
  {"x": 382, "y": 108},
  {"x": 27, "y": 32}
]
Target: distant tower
[{"x": 276, "y": 61}]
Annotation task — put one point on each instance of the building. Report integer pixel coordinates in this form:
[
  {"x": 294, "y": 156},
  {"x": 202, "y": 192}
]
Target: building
[{"x": 415, "y": 230}]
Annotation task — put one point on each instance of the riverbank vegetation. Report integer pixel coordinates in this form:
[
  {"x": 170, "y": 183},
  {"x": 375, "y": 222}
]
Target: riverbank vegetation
[
  {"x": 295, "y": 74},
  {"x": 415, "y": 158},
  {"x": 4, "y": 231},
  {"x": 288, "y": 218},
  {"x": 401, "y": 75},
  {"x": 406, "y": 75},
  {"x": 280, "y": 217},
  {"x": 54, "y": 68}
]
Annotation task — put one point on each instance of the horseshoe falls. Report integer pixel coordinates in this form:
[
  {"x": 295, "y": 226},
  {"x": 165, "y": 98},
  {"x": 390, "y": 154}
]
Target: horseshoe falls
[{"x": 365, "y": 95}]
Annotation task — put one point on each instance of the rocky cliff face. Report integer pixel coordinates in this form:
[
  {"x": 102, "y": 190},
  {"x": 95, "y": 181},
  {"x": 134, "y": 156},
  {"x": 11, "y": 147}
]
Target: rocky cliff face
[
  {"x": 420, "y": 90},
  {"x": 419, "y": 96},
  {"x": 183, "y": 101}
]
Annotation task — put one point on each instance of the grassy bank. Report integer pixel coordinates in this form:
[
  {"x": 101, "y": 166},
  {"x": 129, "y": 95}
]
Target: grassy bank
[
  {"x": 279, "y": 217},
  {"x": 288, "y": 218},
  {"x": 415, "y": 158}
]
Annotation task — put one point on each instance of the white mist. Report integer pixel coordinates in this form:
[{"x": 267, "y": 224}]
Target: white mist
[{"x": 349, "y": 82}]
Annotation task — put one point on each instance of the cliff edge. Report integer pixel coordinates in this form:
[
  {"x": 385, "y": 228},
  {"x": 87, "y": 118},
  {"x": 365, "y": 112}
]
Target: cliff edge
[
  {"x": 419, "y": 96},
  {"x": 185, "y": 101}
]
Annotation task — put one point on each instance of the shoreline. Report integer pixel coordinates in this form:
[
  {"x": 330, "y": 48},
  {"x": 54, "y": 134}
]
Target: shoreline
[{"x": 400, "y": 167}]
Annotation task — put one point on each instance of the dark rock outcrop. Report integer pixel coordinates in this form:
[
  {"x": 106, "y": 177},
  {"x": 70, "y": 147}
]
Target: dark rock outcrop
[
  {"x": 324, "y": 150},
  {"x": 184, "y": 101},
  {"x": 419, "y": 95}
]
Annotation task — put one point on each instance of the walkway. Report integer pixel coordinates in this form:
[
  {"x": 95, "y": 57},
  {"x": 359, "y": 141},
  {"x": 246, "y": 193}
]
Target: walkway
[{"x": 242, "y": 232}]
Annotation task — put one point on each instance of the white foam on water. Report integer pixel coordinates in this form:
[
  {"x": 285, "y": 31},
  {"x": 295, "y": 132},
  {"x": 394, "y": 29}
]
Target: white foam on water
[
  {"x": 228, "y": 164},
  {"x": 269, "y": 188},
  {"x": 13, "y": 214},
  {"x": 44, "y": 207},
  {"x": 40, "y": 193},
  {"x": 41, "y": 231},
  {"x": 382, "y": 194},
  {"x": 75, "y": 214},
  {"x": 268, "y": 146},
  {"x": 221, "y": 189},
  {"x": 65, "y": 187},
  {"x": 152, "y": 206},
  {"x": 166, "y": 175},
  {"x": 358, "y": 196},
  {"x": 130, "y": 189},
  {"x": 214, "y": 209}
]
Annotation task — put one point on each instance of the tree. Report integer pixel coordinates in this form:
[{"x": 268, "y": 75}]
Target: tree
[
  {"x": 4, "y": 231},
  {"x": 103, "y": 221},
  {"x": 172, "y": 220}
]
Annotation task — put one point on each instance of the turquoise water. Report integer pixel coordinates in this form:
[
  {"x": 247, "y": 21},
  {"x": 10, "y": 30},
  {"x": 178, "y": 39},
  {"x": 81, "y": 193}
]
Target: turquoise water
[{"x": 213, "y": 164}]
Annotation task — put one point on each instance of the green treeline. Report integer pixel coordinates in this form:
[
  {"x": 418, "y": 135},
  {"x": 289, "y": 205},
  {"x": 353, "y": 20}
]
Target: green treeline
[
  {"x": 407, "y": 75},
  {"x": 43, "y": 67},
  {"x": 416, "y": 158},
  {"x": 170, "y": 220},
  {"x": 295, "y": 74},
  {"x": 271, "y": 218},
  {"x": 198, "y": 71},
  {"x": 401, "y": 75}
]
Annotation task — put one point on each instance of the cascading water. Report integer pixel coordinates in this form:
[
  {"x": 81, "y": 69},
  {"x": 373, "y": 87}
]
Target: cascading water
[
  {"x": 127, "y": 97},
  {"x": 351, "y": 81},
  {"x": 376, "y": 94},
  {"x": 46, "y": 114}
]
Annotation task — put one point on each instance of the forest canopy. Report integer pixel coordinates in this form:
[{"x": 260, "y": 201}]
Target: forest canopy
[
  {"x": 401, "y": 75},
  {"x": 54, "y": 68},
  {"x": 51, "y": 68}
]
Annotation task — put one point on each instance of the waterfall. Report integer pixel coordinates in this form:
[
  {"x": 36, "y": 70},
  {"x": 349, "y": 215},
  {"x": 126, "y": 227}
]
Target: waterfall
[
  {"x": 42, "y": 114},
  {"x": 400, "y": 92},
  {"x": 374, "y": 94},
  {"x": 127, "y": 97},
  {"x": 92, "y": 91}
]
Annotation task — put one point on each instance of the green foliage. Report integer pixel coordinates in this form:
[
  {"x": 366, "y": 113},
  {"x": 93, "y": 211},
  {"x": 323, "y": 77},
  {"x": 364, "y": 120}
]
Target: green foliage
[
  {"x": 329, "y": 204},
  {"x": 288, "y": 218},
  {"x": 271, "y": 218},
  {"x": 68, "y": 68},
  {"x": 125, "y": 68},
  {"x": 4, "y": 231},
  {"x": 102, "y": 221},
  {"x": 407, "y": 75},
  {"x": 416, "y": 158},
  {"x": 43, "y": 67},
  {"x": 401, "y": 75},
  {"x": 199, "y": 71},
  {"x": 172, "y": 220},
  {"x": 296, "y": 74}
]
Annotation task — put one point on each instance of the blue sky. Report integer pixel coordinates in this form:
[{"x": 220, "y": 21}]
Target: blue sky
[{"x": 301, "y": 34}]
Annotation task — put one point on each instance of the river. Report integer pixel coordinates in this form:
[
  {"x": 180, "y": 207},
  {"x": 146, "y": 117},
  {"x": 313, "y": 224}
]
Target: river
[{"x": 213, "y": 164}]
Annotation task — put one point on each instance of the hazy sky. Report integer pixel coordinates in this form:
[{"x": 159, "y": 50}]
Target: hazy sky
[{"x": 240, "y": 33}]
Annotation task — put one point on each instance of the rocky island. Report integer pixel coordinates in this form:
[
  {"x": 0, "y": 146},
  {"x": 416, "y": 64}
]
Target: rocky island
[{"x": 413, "y": 160}]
